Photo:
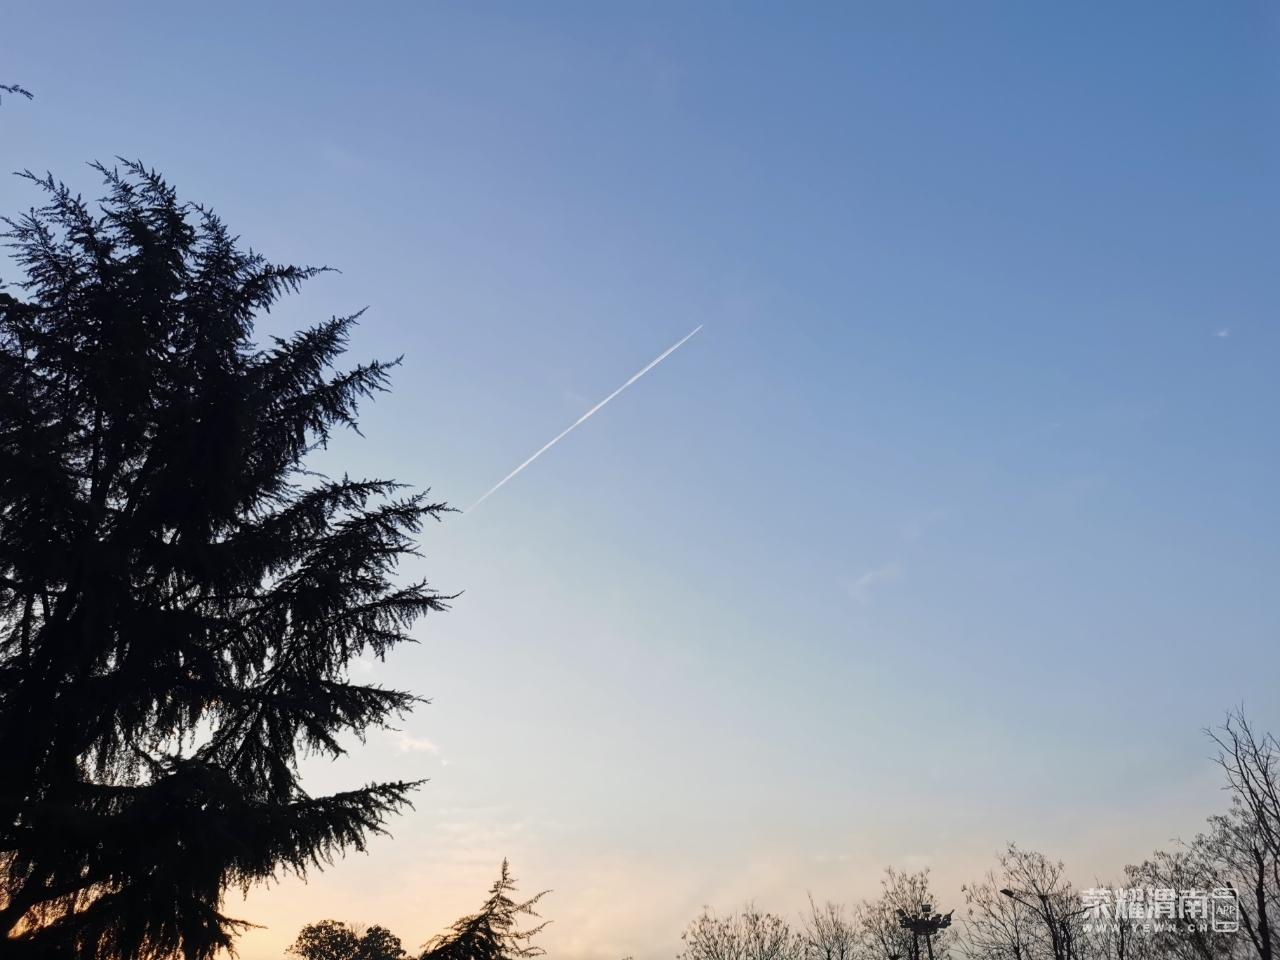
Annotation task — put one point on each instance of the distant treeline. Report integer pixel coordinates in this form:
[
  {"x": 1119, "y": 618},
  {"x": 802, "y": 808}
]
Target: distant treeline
[
  {"x": 1214, "y": 897},
  {"x": 490, "y": 934}
]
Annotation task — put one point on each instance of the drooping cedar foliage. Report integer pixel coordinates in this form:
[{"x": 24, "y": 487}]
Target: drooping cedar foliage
[
  {"x": 179, "y": 598},
  {"x": 14, "y": 88}
]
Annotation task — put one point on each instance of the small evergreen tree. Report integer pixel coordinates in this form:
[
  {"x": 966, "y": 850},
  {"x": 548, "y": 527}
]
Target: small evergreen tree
[
  {"x": 490, "y": 934},
  {"x": 179, "y": 597}
]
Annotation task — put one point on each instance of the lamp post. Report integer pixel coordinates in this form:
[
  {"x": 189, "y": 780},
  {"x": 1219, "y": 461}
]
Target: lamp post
[
  {"x": 1059, "y": 934},
  {"x": 926, "y": 923}
]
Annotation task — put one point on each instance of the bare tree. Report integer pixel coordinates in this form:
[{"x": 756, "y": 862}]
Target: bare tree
[
  {"x": 1169, "y": 906},
  {"x": 998, "y": 928},
  {"x": 712, "y": 938},
  {"x": 1240, "y": 852},
  {"x": 881, "y": 934},
  {"x": 749, "y": 935},
  {"x": 1191, "y": 867},
  {"x": 1108, "y": 937},
  {"x": 1244, "y": 843},
  {"x": 1025, "y": 910},
  {"x": 828, "y": 933}
]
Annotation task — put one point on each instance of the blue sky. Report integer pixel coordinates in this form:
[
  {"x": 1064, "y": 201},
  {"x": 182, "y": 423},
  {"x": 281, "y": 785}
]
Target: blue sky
[{"x": 955, "y": 524}]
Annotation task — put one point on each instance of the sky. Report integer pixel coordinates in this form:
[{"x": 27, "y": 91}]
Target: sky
[{"x": 955, "y": 525}]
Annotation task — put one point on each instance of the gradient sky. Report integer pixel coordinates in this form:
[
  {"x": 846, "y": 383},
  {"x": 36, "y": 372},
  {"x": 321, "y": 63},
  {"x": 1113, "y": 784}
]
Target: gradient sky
[{"x": 955, "y": 525}]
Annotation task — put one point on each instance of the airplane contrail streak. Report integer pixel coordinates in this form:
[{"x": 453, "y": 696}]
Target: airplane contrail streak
[{"x": 579, "y": 420}]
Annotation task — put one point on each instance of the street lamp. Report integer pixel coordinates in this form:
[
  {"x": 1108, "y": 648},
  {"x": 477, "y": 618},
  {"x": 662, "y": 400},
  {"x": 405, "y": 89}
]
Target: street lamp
[
  {"x": 1059, "y": 933},
  {"x": 926, "y": 923}
]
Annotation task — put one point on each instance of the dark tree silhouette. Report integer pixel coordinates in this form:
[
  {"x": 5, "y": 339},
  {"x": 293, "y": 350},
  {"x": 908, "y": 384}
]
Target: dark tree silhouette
[
  {"x": 490, "y": 934},
  {"x": 332, "y": 940},
  {"x": 179, "y": 598}
]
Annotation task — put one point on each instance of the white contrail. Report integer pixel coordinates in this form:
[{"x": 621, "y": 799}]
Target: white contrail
[{"x": 578, "y": 421}]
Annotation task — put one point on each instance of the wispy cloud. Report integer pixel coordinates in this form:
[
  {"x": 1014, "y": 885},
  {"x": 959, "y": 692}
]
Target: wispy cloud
[
  {"x": 914, "y": 528},
  {"x": 862, "y": 588},
  {"x": 407, "y": 744},
  {"x": 1224, "y": 332}
]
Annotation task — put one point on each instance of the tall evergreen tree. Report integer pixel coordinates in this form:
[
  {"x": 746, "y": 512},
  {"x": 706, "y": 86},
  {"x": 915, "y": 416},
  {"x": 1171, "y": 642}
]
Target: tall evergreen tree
[{"x": 179, "y": 597}]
